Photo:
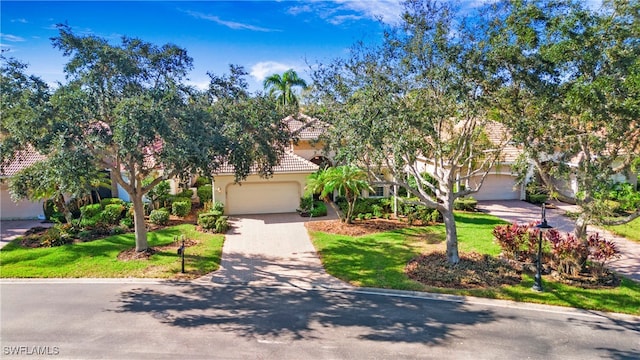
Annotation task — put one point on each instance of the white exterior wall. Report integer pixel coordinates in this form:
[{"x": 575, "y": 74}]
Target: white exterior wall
[{"x": 10, "y": 210}]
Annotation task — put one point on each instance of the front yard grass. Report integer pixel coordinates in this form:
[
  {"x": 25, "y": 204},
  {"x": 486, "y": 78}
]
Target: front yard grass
[
  {"x": 630, "y": 230},
  {"x": 378, "y": 261},
  {"x": 99, "y": 258}
]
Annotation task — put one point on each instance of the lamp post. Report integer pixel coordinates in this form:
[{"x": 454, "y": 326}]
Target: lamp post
[{"x": 543, "y": 226}]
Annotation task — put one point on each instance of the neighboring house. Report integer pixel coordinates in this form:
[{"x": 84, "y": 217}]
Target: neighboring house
[
  {"x": 23, "y": 209},
  {"x": 281, "y": 193},
  {"x": 501, "y": 181}
]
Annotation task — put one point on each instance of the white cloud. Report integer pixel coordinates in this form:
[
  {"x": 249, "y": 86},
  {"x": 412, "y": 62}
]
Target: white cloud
[
  {"x": 230, "y": 24},
  {"x": 199, "y": 84},
  {"x": 389, "y": 11},
  {"x": 12, "y": 38},
  {"x": 296, "y": 10},
  {"x": 337, "y": 12},
  {"x": 21, "y": 20},
  {"x": 263, "y": 69}
]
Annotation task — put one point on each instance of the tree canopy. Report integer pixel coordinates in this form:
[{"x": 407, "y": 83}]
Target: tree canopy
[
  {"x": 415, "y": 104},
  {"x": 125, "y": 108},
  {"x": 567, "y": 80}
]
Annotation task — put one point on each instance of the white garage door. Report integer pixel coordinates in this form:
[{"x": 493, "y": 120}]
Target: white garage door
[
  {"x": 10, "y": 210},
  {"x": 263, "y": 198},
  {"x": 498, "y": 187}
]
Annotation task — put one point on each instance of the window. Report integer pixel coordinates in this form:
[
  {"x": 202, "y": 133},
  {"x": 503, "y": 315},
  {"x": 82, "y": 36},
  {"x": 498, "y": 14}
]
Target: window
[{"x": 378, "y": 191}]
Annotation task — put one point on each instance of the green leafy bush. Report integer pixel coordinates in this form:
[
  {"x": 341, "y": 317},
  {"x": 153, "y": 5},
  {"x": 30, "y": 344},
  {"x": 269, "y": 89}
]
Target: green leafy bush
[
  {"x": 181, "y": 208},
  {"x": 537, "y": 198},
  {"x": 108, "y": 201},
  {"x": 202, "y": 181},
  {"x": 89, "y": 211},
  {"x": 159, "y": 195},
  {"x": 222, "y": 224},
  {"x": 319, "y": 209},
  {"x": 205, "y": 193},
  {"x": 306, "y": 203},
  {"x": 186, "y": 193},
  {"x": 218, "y": 206},
  {"x": 51, "y": 212},
  {"x": 159, "y": 216},
  {"x": 127, "y": 222},
  {"x": 112, "y": 213},
  {"x": 465, "y": 204},
  {"x": 54, "y": 237},
  {"x": 207, "y": 221}
]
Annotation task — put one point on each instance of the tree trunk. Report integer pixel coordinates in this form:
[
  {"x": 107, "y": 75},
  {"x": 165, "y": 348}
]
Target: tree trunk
[
  {"x": 334, "y": 207},
  {"x": 581, "y": 227},
  {"x": 62, "y": 206},
  {"x": 451, "y": 236},
  {"x": 140, "y": 226}
]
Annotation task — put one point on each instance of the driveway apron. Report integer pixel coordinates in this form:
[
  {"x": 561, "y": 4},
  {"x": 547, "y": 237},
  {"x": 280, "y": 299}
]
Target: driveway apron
[
  {"x": 523, "y": 212},
  {"x": 11, "y": 229},
  {"x": 272, "y": 250}
]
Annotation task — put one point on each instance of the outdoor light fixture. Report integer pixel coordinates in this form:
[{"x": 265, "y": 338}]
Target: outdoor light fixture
[{"x": 543, "y": 226}]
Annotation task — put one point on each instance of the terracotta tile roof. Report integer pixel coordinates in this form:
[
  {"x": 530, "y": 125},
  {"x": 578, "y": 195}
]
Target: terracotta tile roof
[
  {"x": 304, "y": 127},
  {"x": 23, "y": 160},
  {"x": 289, "y": 163},
  {"x": 496, "y": 133}
]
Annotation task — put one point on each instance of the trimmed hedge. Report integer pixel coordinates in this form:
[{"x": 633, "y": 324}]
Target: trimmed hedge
[
  {"x": 181, "y": 208},
  {"x": 159, "y": 216},
  {"x": 465, "y": 204},
  {"x": 89, "y": 211},
  {"x": 112, "y": 213},
  {"x": 205, "y": 193}
]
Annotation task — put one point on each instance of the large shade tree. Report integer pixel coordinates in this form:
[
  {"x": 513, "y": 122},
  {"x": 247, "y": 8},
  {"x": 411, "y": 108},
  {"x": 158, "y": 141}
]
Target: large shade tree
[
  {"x": 126, "y": 109},
  {"x": 568, "y": 84},
  {"x": 414, "y": 105}
]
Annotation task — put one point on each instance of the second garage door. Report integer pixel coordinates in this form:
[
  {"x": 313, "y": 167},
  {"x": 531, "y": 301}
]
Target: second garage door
[
  {"x": 263, "y": 198},
  {"x": 498, "y": 187}
]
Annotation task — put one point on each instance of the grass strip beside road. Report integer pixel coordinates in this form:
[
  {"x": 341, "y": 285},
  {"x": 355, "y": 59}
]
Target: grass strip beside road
[
  {"x": 378, "y": 261},
  {"x": 98, "y": 259}
]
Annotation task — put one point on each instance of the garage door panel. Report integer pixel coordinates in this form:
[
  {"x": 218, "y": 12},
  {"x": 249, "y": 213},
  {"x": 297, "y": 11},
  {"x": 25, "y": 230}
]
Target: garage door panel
[
  {"x": 263, "y": 198},
  {"x": 498, "y": 187}
]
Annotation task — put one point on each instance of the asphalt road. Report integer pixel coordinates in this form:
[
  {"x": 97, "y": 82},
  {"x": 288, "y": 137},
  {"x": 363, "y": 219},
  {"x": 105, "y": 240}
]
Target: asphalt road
[{"x": 160, "y": 320}]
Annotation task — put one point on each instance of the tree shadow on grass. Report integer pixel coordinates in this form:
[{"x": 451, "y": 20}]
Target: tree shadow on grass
[{"x": 294, "y": 314}]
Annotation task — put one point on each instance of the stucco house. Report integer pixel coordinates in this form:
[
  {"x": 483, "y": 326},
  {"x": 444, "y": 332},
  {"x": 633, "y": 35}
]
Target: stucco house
[
  {"x": 280, "y": 193},
  {"x": 23, "y": 209}
]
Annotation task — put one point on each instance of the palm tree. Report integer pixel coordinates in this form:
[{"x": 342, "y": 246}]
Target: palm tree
[
  {"x": 281, "y": 86},
  {"x": 348, "y": 181}
]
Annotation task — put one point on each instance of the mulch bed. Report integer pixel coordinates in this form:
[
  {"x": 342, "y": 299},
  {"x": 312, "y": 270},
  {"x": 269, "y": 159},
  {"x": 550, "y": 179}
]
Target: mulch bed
[
  {"x": 132, "y": 254},
  {"x": 358, "y": 228},
  {"x": 473, "y": 271}
]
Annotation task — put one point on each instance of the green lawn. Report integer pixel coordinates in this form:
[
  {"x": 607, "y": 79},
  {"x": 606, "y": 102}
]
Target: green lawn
[
  {"x": 99, "y": 258},
  {"x": 630, "y": 230},
  {"x": 378, "y": 261}
]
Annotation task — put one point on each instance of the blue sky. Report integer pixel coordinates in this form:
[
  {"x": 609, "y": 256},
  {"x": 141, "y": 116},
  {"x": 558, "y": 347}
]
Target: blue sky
[{"x": 265, "y": 37}]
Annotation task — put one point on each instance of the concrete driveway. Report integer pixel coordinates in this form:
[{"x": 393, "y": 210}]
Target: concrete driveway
[
  {"x": 272, "y": 250},
  {"x": 523, "y": 212},
  {"x": 11, "y": 229}
]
